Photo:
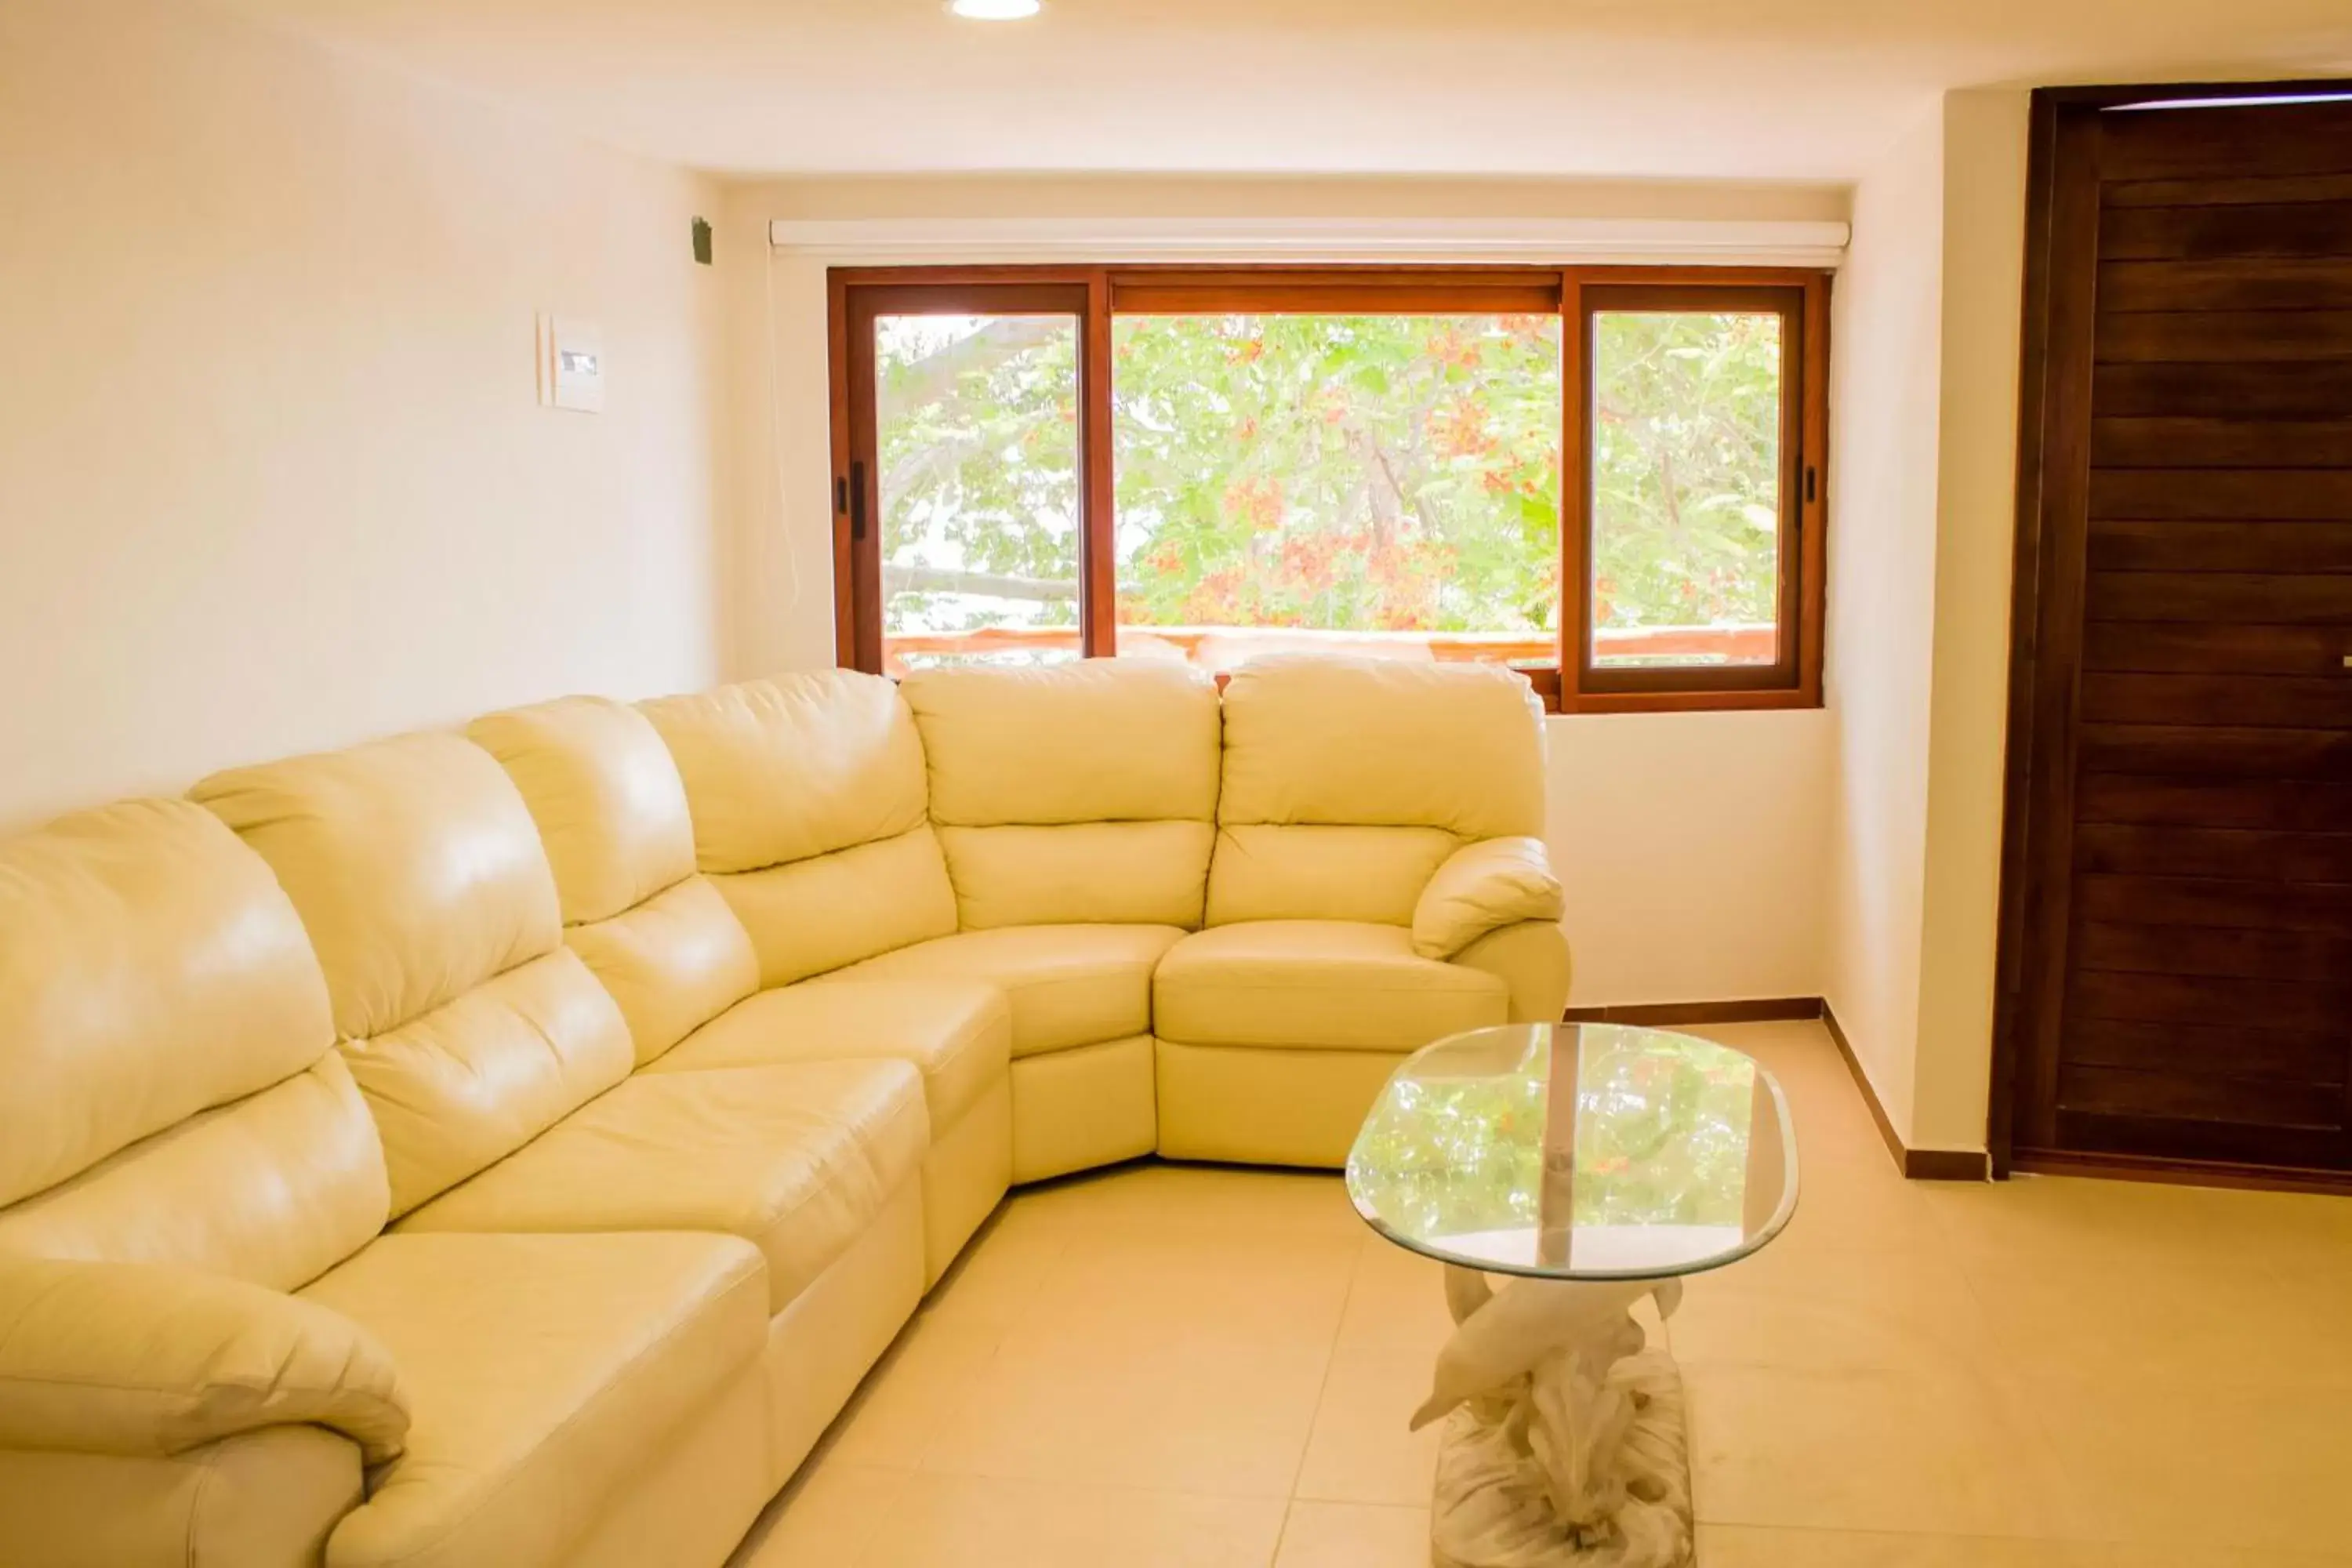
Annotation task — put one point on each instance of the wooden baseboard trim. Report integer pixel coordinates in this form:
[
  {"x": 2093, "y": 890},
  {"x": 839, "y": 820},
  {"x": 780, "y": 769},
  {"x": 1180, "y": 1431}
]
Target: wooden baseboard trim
[
  {"x": 1917, "y": 1164},
  {"x": 2186, "y": 1173},
  {"x": 1665, "y": 1014},
  {"x": 1947, "y": 1165}
]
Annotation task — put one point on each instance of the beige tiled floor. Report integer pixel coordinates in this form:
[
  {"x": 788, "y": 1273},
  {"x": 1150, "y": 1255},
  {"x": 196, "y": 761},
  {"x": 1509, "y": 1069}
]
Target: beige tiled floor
[{"x": 1181, "y": 1367}]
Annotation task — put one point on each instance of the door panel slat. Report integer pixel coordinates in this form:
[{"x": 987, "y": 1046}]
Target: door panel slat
[
  {"x": 2281, "y": 701},
  {"x": 2219, "y": 648},
  {"x": 2247, "y": 495},
  {"x": 2158, "y": 442},
  {"x": 2283, "y": 1147},
  {"x": 2269, "y": 283},
  {"x": 2199, "y": 1097},
  {"x": 2208, "y": 1000},
  {"x": 2230, "y": 854},
  {"x": 2179, "y": 544},
  {"x": 2212, "y": 233},
  {"x": 2254, "y": 141},
  {"x": 2282, "y": 805},
  {"x": 2191, "y": 901},
  {"x": 2220, "y": 391},
  {"x": 2218, "y": 752},
  {"x": 2308, "y": 957},
  {"x": 2268, "y": 598},
  {"x": 2255, "y": 191},
  {"x": 2213, "y": 336}
]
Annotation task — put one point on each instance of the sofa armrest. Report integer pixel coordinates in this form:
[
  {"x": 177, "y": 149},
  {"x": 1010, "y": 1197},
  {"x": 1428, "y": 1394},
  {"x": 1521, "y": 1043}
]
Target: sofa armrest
[
  {"x": 1484, "y": 887},
  {"x": 141, "y": 1360}
]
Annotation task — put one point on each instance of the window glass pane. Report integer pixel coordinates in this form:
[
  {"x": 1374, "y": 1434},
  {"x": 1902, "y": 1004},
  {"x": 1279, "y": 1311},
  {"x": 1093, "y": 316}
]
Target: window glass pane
[
  {"x": 1685, "y": 488},
  {"x": 1370, "y": 484},
  {"x": 977, "y": 440}
]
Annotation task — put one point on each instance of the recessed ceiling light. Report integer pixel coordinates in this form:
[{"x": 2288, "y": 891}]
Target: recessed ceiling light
[{"x": 993, "y": 10}]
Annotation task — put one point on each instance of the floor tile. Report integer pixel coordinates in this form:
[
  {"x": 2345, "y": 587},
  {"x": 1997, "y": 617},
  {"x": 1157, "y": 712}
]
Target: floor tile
[
  {"x": 1396, "y": 1300},
  {"x": 2131, "y": 1319},
  {"x": 882, "y": 1519},
  {"x": 1362, "y": 1448},
  {"x": 1835, "y": 1311},
  {"x": 1154, "y": 1287},
  {"x": 1846, "y": 1205},
  {"x": 1891, "y": 1451},
  {"x": 1744, "y": 1546},
  {"x": 1002, "y": 1273},
  {"x": 2056, "y": 1221},
  {"x": 938, "y": 1367},
  {"x": 1353, "y": 1535},
  {"x": 824, "y": 1519},
  {"x": 2177, "y": 1555},
  {"x": 2215, "y": 1464},
  {"x": 966, "y": 1521},
  {"x": 1226, "y": 1418}
]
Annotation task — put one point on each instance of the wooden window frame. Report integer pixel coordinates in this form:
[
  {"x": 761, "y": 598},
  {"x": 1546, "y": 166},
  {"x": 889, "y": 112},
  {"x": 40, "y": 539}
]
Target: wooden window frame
[
  {"x": 1095, "y": 294},
  {"x": 1794, "y": 679}
]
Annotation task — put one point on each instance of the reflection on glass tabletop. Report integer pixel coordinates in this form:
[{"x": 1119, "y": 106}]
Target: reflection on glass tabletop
[{"x": 1578, "y": 1151}]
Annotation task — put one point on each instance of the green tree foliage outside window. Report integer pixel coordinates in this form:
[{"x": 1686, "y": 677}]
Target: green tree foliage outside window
[
  {"x": 977, "y": 420},
  {"x": 1348, "y": 473},
  {"x": 1344, "y": 473},
  {"x": 1686, "y": 469}
]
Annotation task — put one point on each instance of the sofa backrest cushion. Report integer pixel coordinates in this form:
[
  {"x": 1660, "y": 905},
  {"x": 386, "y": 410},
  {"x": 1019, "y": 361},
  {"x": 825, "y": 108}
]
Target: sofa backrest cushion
[
  {"x": 793, "y": 767},
  {"x": 1413, "y": 758},
  {"x": 612, "y": 811},
  {"x": 1072, "y": 792},
  {"x": 419, "y": 872},
  {"x": 415, "y": 865},
  {"x": 807, "y": 793},
  {"x": 173, "y": 1095},
  {"x": 610, "y": 806},
  {"x": 1269, "y": 871}
]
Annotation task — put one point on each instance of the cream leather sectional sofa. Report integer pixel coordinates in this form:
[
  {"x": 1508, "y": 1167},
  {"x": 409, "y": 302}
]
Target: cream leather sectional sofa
[{"x": 511, "y": 1148}]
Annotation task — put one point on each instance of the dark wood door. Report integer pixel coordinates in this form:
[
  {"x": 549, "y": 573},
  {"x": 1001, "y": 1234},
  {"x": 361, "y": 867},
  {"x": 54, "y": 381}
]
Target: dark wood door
[{"x": 2178, "y": 932}]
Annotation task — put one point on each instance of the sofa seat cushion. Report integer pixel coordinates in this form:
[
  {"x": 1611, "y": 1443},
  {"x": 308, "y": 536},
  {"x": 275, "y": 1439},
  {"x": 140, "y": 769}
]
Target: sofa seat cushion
[
  {"x": 1068, "y": 985},
  {"x": 1335, "y": 985},
  {"x": 796, "y": 1159},
  {"x": 541, "y": 1369},
  {"x": 957, "y": 1032}
]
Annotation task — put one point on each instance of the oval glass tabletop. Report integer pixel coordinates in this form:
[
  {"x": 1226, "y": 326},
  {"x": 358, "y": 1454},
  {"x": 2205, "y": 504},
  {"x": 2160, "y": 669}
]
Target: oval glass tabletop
[{"x": 1578, "y": 1151}]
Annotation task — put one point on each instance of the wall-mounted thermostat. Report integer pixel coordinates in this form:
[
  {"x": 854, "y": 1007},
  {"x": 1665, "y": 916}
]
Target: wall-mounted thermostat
[{"x": 570, "y": 364}]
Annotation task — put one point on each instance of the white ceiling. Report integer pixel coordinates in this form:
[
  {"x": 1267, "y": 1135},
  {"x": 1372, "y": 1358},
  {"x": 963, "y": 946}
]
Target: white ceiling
[{"x": 1787, "y": 89}]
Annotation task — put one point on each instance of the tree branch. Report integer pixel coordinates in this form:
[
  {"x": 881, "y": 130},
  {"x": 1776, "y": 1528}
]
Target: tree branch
[{"x": 945, "y": 580}]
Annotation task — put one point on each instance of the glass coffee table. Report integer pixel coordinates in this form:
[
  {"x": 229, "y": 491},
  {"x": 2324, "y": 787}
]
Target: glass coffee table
[{"x": 1598, "y": 1164}]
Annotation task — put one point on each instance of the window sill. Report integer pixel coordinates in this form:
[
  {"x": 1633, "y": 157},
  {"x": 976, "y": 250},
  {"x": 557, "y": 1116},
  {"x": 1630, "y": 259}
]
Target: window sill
[
  {"x": 1546, "y": 680},
  {"x": 1219, "y": 648}
]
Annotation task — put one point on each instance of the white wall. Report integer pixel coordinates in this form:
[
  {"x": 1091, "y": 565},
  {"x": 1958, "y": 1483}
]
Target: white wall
[
  {"x": 272, "y": 477},
  {"x": 1693, "y": 846},
  {"x": 1922, "y": 478},
  {"x": 1886, "y": 358},
  {"x": 1976, "y": 519}
]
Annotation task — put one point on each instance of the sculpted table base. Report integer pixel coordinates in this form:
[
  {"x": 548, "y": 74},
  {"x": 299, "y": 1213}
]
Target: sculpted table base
[
  {"x": 1565, "y": 1443},
  {"x": 1561, "y": 1173}
]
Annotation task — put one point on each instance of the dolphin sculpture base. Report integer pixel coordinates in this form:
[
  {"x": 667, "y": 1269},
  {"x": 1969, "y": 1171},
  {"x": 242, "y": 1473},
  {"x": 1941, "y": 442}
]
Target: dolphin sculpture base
[{"x": 1565, "y": 1444}]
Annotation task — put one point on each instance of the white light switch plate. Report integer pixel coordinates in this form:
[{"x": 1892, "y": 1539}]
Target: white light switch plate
[{"x": 570, "y": 364}]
